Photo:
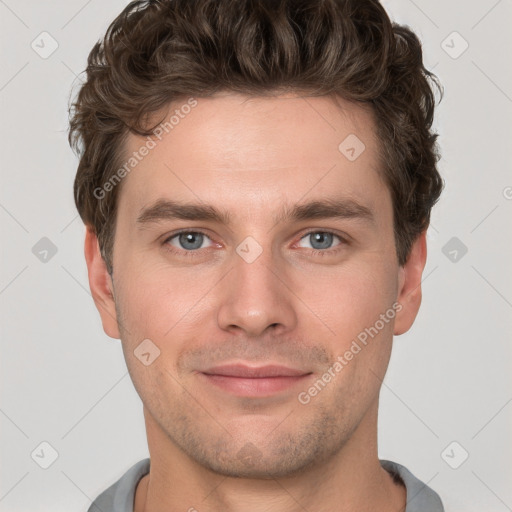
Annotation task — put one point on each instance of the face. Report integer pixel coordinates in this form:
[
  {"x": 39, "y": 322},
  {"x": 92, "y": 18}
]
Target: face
[{"x": 218, "y": 260}]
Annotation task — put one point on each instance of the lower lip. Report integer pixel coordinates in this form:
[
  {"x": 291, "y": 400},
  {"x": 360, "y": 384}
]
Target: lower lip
[{"x": 259, "y": 387}]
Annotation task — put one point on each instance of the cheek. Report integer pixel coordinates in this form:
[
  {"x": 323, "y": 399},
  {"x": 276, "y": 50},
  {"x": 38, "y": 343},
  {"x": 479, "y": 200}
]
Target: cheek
[
  {"x": 349, "y": 298},
  {"x": 154, "y": 298},
  {"x": 351, "y": 303}
]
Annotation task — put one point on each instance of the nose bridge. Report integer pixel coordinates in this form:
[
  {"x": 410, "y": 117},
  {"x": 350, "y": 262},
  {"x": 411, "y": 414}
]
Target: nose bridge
[{"x": 254, "y": 297}]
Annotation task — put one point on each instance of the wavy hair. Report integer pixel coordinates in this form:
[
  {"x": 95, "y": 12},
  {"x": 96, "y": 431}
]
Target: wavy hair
[{"x": 159, "y": 51}]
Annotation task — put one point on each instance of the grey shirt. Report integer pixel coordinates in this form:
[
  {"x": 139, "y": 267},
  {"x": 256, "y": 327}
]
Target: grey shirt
[{"x": 119, "y": 496}]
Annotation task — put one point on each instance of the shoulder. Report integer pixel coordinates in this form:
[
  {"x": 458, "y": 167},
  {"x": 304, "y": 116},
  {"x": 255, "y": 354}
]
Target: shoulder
[
  {"x": 420, "y": 497},
  {"x": 119, "y": 496}
]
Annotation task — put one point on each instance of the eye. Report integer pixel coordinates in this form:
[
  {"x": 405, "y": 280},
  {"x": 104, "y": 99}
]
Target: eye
[
  {"x": 321, "y": 240},
  {"x": 188, "y": 243},
  {"x": 187, "y": 240}
]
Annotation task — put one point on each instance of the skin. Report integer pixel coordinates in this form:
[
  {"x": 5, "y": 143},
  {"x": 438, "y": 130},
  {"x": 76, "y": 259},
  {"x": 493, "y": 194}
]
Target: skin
[{"x": 251, "y": 156}]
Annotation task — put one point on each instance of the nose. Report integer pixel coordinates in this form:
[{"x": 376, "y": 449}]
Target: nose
[{"x": 256, "y": 296}]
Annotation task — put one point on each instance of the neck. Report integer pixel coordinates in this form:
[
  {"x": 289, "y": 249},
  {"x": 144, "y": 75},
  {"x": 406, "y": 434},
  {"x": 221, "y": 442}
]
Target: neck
[{"x": 350, "y": 480}]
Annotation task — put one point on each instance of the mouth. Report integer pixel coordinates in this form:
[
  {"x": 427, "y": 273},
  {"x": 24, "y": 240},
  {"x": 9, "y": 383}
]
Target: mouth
[{"x": 242, "y": 380}]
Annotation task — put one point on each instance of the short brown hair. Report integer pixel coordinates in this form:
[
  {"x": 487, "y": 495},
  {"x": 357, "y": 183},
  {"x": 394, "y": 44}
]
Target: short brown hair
[{"x": 158, "y": 51}]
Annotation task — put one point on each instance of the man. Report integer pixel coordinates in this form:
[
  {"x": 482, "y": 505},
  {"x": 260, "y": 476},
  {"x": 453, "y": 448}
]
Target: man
[{"x": 256, "y": 178}]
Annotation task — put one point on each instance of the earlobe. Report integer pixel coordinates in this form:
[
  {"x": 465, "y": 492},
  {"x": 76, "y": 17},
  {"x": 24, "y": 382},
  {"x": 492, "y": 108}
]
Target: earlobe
[
  {"x": 409, "y": 285},
  {"x": 100, "y": 284}
]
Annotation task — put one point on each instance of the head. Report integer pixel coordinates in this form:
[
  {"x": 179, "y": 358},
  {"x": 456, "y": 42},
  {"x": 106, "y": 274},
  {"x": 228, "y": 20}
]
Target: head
[{"x": 291, "y": 144}]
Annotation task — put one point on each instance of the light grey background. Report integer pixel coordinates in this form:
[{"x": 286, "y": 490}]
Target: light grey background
[{"x": 64, "y": 381}]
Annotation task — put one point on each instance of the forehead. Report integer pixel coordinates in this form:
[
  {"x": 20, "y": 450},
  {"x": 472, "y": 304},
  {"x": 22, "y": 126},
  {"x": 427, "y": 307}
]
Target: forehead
[{"x": 251, "y": 153}]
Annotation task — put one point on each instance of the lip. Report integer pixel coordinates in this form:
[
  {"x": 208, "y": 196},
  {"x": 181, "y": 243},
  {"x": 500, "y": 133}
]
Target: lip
[
  {"x": 254, "y": 372},
  {"x": 251, "y": 381}
]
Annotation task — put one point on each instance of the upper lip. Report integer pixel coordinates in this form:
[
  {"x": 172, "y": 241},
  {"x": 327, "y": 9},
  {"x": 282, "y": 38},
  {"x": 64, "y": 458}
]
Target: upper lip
[{"x": 239, "y": 370}]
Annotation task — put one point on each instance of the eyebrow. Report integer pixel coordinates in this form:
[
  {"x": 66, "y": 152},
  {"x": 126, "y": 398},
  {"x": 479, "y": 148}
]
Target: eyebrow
[{"x": 167, "y": 209}]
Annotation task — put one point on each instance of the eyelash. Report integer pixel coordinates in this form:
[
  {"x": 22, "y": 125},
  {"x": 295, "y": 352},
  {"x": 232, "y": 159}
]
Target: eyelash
[{"x": 197, "y": 252}]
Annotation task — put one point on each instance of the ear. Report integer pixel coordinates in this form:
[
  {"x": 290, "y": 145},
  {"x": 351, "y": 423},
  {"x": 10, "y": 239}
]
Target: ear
[
  {"x": 101, "y": 284},
  {"x": 409, "y": 285}
]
